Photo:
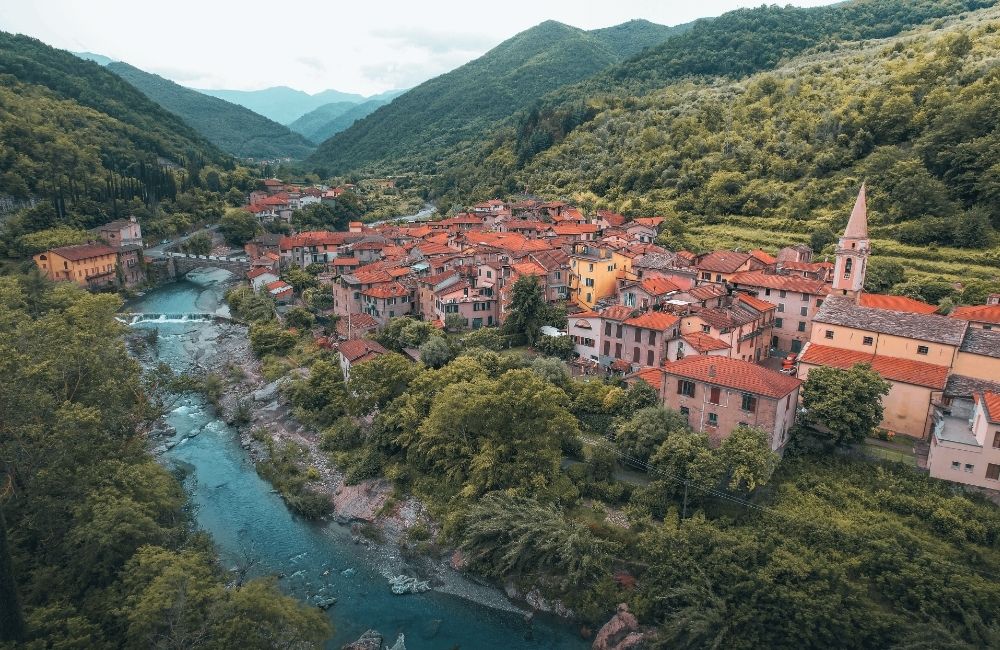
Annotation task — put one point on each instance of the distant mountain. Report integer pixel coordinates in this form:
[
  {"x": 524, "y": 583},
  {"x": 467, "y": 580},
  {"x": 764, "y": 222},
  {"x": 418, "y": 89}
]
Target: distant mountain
[
  {"x": 281, "y": 103},
  {"x": 418, "y": 125},
  {"x": 628, "y": 39},
  {"x": 99, "y": 59},
  {"x": 330, "y": 119},
  {"x": 75, "y": 133},
  {"x": 232, "y": 128}
]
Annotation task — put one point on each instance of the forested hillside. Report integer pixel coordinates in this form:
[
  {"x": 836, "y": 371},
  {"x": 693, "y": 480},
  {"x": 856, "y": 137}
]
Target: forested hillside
[
  {"x": 232, "y": 128},
  {"x": 330, "y": 119},
  {"x": 72, "y": 132},
  {"x": 281, "y": 103},
  {"x": 632, "y": 37},
  {"x": 422, "y": 123}
]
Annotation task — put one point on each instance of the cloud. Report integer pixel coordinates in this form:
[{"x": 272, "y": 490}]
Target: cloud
[
  {"x": 312, "y": 62},
  {"x": 436, "y": 42}
]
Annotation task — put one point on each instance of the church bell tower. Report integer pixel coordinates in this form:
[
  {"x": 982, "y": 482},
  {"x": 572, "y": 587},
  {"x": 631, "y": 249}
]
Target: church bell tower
[{"x": 852, "y": 252}]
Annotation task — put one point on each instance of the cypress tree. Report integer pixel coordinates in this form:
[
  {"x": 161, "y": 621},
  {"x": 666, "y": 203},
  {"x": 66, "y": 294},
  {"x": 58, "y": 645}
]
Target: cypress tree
[{"x": 11, "y": 620}]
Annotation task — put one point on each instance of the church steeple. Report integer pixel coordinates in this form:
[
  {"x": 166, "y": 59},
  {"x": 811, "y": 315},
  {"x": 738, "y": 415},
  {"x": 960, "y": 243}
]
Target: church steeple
[{"x": 852, "y": 251}]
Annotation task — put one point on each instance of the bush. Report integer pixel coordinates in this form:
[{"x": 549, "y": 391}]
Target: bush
[
  {"x": 266, "y": 338},
  {"x": 343, "y": 435},
  {"x": 367, "y": 465}
]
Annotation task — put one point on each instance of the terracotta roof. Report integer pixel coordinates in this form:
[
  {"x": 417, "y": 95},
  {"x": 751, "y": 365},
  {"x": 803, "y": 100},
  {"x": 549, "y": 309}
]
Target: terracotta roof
[
  {"x": 653, "y": 320},
  {"x": 734, "y": 373},
  {"x": 896, "y": 303},
  {"x": 722, "y": 261},
  {"x": 346, "y": 261},
  {"x": 575, "y": 228},
  {"x": 707, "y": 291},
  {"x": 528, "y": 268},
  {"x": 621, "y": 365},
  {"x": 917, "y": 373},
  {"x": 618, "y": 312},
  {"x": 352, "y": 324},
  {"x": 357, "y": 350},
  {"x": 840, "y": 310},
  {"x": 978, "y": 313},
  {"x": 704, "y": 343},
  {"x": 727, "y": 318},
  {"x": 256, "y": 273},
  {"x": 387, "y": 290},
  {"x": 756, "y": 303},
  {"x": 658, "y": 286},
  {"x": 652, "y": 376},
  {"x": 991, "y": 404},
  {"x": 649, "y": 221},
  {"x": 763, "y": 256},
  {"x": 551, "y": 260},
  {"x": 811, "y": 267},
  {"x": 82, "y": 251},
  {"x": 780, "y": 282},
  {"x": 982, "y": 342}
]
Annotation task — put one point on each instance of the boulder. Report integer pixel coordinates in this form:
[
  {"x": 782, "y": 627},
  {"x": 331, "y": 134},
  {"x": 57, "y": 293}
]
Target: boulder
[
  {"x": 458, "y": 561},
  {"x": 361, "y": 502},
  {"x": 620, "y": 633},
  {"x": 267, "y": 392},
  {"x": 370, "y": 640}
]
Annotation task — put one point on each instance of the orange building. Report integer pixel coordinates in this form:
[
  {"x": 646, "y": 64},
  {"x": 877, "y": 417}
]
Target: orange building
[{"x": 89, "y": 265}]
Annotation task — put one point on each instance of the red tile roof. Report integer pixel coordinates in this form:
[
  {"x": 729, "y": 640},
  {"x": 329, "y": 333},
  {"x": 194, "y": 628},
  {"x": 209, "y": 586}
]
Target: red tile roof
[
  {"x": 351, "y": 324},
  {"x": 256, "y": 273},
  {"x": 357, "y": 350},
  {"x": 653, "y": 320},
  {"x": 785, "y": 282},
  {"x": 387, "y": 290},
  {"x": 756, "y": 303},
  {"x": 917, "y": 373},
  {"x": 991, "y": 402},
  {"x": 763, "y": 256},
  {"x": 649, "y": 221},
  {"x": 652, "y": 376},
  {"x": 978, "y": 313},
  {"x": 528, "y": 268},
  {"x": 618, "y": 312},
  {"x": 704, "y": 343},
  {"x": 896, "y": 303},
  {"x": 83, "y": 251},
  {"x": 734, "y": 373},
  {"x": 575, "y": 228},
  {"x": 346, "y": 261},
  {"x": 658, "y": 286},
  {"x": 722, "y": 261}
]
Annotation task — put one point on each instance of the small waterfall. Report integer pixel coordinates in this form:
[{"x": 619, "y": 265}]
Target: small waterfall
[{"x": 135, "y": 319}]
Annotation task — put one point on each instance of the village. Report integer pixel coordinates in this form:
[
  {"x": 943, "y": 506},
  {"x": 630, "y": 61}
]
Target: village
[{"x": 725, "y": 337}]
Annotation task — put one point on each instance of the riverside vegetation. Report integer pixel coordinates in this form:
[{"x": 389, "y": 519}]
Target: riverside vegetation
[{"x": 712, "y": 546}]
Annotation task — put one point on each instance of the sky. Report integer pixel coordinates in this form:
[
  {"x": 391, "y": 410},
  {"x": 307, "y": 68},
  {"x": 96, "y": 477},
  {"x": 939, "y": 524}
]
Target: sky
[{"x": 360, "y": 46}]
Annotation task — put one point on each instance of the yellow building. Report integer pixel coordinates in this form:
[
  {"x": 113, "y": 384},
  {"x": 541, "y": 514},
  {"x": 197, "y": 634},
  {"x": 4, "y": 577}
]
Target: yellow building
[
  {"x": 594, "y": 272},
  {"x": 89, "y": 265}
]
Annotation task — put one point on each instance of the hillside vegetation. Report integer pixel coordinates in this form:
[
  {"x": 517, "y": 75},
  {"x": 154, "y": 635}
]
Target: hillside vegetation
[
  {"x": 441, "y": 113},
  {"x": 232, "y": 128},
  {"x": 330, "y": 119},
  {"x": 281, "y": 103}
]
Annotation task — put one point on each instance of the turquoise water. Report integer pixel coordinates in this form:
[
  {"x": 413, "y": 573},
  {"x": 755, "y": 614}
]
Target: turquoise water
[{"x": 246, "y": 518}]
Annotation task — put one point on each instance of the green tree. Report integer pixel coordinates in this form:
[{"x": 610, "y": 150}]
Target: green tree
[
  {"x": 561, "y": 347},
  {"x": 43, "y": 240},
  {"x": 11, "y": 618},
  {"x": 239, "y": 227},
  {"x": 973, "y": 229},
  {"x": 842, "y": 407},
  {"x": 198, "y": 244},
  {"x": 268, "y": 338},
  {"x": 436, "y": 352},
  {"x": 527, "y": 309},
  {"x": 883, "y": 275},
  {"x": 380, "y": 380},
  {"x": 321, "y": 398},
  {"x": 489, "y": 338},
  {"x": 299, "y": 318},
  {"x": 642, "y": 434},
  {"x": 300, "y": 279},
  {"x": 821, "y": 237},
  {"x": 746, "y": 459},
  {"x": 235, "y": 198}
]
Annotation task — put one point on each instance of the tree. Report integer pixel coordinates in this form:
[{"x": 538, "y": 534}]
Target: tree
[
  {"x": 299, "y": 318},
  {"x": 821, "y": 237},
  {"x": 11, "y": 619},
  {"x": 321, "y": 398},
  {"x": 561, "y": 347},
  {"x": 642, "y": 434},
  {"x": 436, "y": 352},
  {"x": 883, "y": 275},
  {"x": 267, "y": 338},
  {"x": 239, "y": 227},
  {"x": 43, "y": 240},
  {"x": 842, "y": 407},
  {"x": 551, "y": 370},
  {"x": 235, "y": 198},
  {"x": 973, "y": 229},
  {"x": 746, "y": 459},
  {"x": 198, "y": 244},
  {"x": 977, "y": 291},
  {"x": 378, "y": 381},
  {"x": 251, "y": 306},
  {"x": 488, "y": 338},
  {"x": 527, "y": 309}
]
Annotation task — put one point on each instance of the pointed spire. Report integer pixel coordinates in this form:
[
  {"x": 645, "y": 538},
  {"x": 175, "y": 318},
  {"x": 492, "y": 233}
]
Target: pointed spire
[{"x": 857, "y": 227}]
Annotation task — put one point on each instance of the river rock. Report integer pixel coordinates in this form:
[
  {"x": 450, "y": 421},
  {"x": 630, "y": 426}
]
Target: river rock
[
  {"x": 370, "y": 640},
  {"x": 361, "y": 502},
  {"x": 268, "y": 392},
  {"x": 620, "y": 633},
  {"x": 458, "y": 561}
]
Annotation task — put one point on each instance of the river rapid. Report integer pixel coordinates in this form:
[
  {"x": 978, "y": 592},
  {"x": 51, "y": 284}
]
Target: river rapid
[{"x": 247, "y": 519}]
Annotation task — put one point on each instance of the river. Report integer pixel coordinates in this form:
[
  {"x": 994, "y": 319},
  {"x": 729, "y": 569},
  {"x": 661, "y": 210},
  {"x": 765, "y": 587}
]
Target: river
[{"x": 246, "y": 517}]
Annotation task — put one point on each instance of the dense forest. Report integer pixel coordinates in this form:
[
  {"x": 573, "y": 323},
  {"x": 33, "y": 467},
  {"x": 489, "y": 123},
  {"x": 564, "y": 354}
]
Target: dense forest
[
  {"x": 713, "y": 546},
  {"x": 96, "y": 547},
  {"x": 449, "y": 109},
  {"x": 330, "y": 119},
  {"x": 233, "y": 128}
]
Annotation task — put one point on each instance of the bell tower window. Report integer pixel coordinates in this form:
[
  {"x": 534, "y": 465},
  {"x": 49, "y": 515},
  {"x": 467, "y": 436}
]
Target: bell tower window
[{"x": 848, "y": 266}]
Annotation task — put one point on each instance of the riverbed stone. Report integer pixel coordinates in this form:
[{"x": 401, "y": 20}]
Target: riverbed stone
[
  {"x": 361, "y": 502},
  {"x": 370, "y": 640},
  {"x": 620, "y": 633},
  {"x": 267, "y": 392}
]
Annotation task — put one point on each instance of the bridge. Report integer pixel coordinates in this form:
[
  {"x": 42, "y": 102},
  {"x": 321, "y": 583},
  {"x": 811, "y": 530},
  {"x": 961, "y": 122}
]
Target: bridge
[{"x": 182, "y": 263}]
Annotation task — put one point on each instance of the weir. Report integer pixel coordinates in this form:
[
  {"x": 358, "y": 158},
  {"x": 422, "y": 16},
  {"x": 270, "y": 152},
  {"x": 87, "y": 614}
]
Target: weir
[{"x": 193, "y": 317}]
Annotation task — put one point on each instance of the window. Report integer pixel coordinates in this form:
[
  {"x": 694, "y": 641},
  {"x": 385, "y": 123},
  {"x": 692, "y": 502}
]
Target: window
[
  {"x": 685, "y": 387},
  {"x": 618, "y": 350},
  {"x": 956, "y": 465},
  {"x": 749, "y": 403},
  {"x": 607, "y": 348},
  {"x": 652, "y": 337},
  {"x": 922, "y": 349},
  {"x": 589, "y": 282},
  {"x": 591, "y": 267},
  {"x": 805, "y": 297},
  {"x": 558, "y": 275},
  {"x": 607, "y": 329},
  {"x": 706, "y": 329},
  {"x": 828, "y": 334},
  {"x": 618, "y": 332},
  {"x": 819, "y": 302},
  {"x": 802, "y": 326},
  {"x": 706, "y": 276},
  {"x": 969, "y": 467},
  {"x": 867, "y": 340},
  {"x": 635, "y": 355},
  {"x": 715, "y": 396},
  {"x": 782, "y": 293},
  {"x": 777, "y": 323},
  {"x": 638, "y": 335},
  {"x": 685, "y": 411},
  {"x": 649, "y": 357},
  {"x": 993, "y": 472},
  {"x": 767, "y": 292},
  {"x": 996, "y": 440},
  {"x": 713, "y": 419},
  {"x": 804, "y": 311},
  {"x": 588, "y": 297},
  {"x": 781, "y": 307}
]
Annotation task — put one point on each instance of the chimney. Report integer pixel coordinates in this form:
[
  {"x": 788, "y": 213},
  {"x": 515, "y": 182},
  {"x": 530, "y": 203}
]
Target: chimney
[{"x": 711, "y": 370}]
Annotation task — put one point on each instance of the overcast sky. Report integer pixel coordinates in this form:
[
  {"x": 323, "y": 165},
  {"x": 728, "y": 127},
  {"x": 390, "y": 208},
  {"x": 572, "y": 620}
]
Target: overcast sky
[{"x": 363, "y": 46}]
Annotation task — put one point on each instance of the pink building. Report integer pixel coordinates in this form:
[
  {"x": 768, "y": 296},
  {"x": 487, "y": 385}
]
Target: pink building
[
  {"x": 965, "y": 445},
  {"x": 717, "y": 394}
]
